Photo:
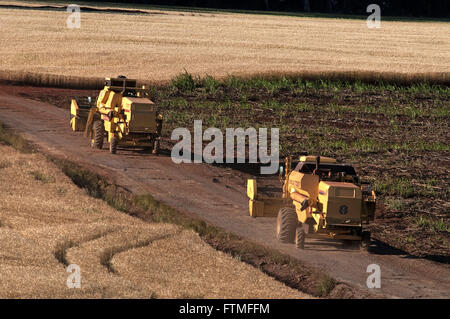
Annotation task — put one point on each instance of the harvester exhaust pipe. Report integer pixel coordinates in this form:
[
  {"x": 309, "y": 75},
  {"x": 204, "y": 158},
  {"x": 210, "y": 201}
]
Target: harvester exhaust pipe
[
  {"x": 317, "y": 165},
  {"x": 124, "y": 83}
]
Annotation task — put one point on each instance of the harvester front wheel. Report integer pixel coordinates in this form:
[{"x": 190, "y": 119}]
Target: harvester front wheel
[
  {"x": 113, "y": 145},
  {"x": 286, "y": 224},
  {"x": 99, "y": 135},
  {"x": 300, "y": 236}
]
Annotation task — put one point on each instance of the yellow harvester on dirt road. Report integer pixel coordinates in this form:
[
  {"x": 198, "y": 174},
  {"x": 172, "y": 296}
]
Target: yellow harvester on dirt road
[
  {"x": 321, "y": 199},
  {"x": 123, "y": 114}
]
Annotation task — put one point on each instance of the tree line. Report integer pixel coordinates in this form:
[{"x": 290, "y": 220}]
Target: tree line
[{"x": 403, "y": 8}]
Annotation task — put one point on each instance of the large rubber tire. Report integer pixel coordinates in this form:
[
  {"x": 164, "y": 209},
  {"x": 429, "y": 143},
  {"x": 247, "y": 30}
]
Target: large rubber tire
[
  {"x": 99, "y": 135},
  {"x": 300, "y": 236},
  {"x": 365, "y": 241},
  {"x": 113, "y": 145},
  {"x": 155, "y": 149},
  {"x": 286, "y": 224}
]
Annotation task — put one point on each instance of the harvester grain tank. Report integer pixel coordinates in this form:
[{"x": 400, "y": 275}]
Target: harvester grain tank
[
  {"x": 321, "y": 199},
  {"x": 123, "y": 114}
]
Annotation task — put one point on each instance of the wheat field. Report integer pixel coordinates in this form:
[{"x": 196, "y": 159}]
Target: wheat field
[
  {"x": 157, "y": 46},
  {"x": 47, "y": 223}
]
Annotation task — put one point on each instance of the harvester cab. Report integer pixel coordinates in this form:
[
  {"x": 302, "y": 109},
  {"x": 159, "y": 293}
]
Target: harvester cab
[
  {"x": 123, "y": 114},
  {"x": 321, "y": 199}
]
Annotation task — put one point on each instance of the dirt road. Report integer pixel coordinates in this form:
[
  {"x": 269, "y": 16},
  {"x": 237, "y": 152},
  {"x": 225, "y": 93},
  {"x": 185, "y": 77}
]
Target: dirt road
[{"x": 218, "y": 196}]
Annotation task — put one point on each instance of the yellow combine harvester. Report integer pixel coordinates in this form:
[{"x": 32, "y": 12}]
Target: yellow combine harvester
[
  {"x": 321, "y": 199},
  {"x": 123, "y": 114}
]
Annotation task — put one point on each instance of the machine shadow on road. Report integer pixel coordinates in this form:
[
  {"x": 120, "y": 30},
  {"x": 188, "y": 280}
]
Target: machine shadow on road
[
  {"x": 380, "y": 248},
  {"x": 165, "y": 150},
  {"x": 134, "y": 151},
  {"x": 377, "y": 247},
  {"x": 324, "y": 245},
  {"x": 249, "y": 168}
]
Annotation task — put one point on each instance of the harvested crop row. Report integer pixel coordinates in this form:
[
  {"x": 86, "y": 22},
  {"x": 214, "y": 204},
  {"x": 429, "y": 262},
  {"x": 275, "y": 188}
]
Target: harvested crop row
[{"x": 47, "y": 223}]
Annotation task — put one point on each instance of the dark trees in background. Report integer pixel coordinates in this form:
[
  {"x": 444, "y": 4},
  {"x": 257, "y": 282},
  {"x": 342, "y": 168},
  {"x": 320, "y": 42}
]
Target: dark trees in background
[{"x": 406, "y": 8}]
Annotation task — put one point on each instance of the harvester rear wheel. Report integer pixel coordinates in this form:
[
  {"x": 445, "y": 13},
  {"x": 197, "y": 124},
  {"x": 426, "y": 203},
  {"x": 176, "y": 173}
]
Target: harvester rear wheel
[
  {"x": 113, "y": 145},
  {"x": 155, "y": 149},
  {"x": 300, "y": 236},
  {"x": 99, "y": 135},
  {"x": 286, "y": 224},
  {"x": 365, "y": 240}
]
